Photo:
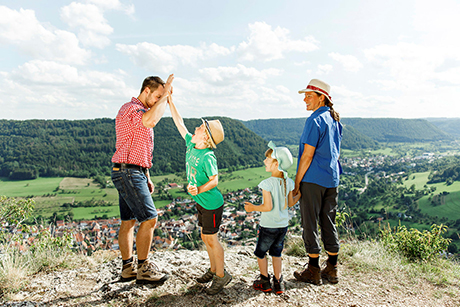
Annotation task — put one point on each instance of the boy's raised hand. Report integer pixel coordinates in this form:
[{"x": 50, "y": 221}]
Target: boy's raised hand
[{"x": 192, "y": 189}]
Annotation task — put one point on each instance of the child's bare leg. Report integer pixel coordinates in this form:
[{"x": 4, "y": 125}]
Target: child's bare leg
[
  {"x": 263, "y": 265},
  {"x": 210, "y": 253},
  {"x": 215, "y": 252},
  {"x": 277, "y": 267}
]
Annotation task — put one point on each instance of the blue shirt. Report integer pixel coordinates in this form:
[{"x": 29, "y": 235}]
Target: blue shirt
[{"x": 325, "y": 134}]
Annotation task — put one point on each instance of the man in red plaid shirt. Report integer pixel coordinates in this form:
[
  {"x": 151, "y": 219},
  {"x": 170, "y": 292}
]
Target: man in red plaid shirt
[{"x": 130, "y": 175}]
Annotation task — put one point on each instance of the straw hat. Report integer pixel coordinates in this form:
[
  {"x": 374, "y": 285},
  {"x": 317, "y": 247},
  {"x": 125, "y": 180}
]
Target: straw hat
[
  {"x": 283, "y": 156},
  {"x": 319, "y": 87},
  {"x": 215, "y": 130}
]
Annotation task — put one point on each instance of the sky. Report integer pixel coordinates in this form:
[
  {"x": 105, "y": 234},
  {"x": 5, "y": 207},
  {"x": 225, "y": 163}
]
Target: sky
[{"x": 239, "y": 59}]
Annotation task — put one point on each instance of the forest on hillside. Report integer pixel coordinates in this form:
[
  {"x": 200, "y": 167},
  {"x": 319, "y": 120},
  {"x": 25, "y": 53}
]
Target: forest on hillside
[
  {"x": 358, "y": 133},
  {"x": 84, "y": 148}
]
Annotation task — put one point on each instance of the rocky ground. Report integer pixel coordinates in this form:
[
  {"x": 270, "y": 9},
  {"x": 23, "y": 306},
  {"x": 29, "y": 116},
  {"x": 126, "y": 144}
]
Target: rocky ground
[{"x": 98, "y": 287}]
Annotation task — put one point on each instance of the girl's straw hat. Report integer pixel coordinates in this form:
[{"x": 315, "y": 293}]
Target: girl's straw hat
[
  {"x": 283, "y": 156},
  {"x": 318, "y": 86},
  {"x": 215, "y": 130}
]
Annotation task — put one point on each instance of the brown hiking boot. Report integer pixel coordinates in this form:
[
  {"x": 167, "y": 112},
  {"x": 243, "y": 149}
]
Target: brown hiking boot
[
  {"x": 330, "y": 273},
  {"x": 311, "y": 275},
  {"x": 148, "y": 273},
  {"x": 128, "y": 272}
]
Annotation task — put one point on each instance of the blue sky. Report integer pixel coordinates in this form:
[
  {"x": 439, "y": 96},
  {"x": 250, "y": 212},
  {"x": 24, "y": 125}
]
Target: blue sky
[{"x": 240, "y": 59}]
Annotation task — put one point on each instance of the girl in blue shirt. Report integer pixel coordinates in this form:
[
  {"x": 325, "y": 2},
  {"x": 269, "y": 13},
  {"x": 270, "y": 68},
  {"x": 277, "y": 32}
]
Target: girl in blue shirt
[
  {"x": 317, "y": 180},
  {"x": 274, "y": 219}
]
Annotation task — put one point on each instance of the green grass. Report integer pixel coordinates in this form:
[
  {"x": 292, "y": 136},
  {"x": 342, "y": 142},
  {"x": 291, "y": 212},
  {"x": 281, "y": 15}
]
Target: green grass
[{"x": 451, "y": 207}]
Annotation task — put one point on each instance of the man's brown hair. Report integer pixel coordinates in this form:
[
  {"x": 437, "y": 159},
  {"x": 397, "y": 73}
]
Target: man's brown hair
[{"x": 152, "y": 82}]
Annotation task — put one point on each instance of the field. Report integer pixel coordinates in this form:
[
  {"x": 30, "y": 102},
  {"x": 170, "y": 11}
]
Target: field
[
  {"x": 50, "y": 194},
  {"x": 450, "y": 207}
]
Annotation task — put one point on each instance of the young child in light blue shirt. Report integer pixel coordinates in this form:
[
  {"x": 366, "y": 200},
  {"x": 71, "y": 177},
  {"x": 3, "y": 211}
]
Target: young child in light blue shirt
[{"x": 277, "y": 197}]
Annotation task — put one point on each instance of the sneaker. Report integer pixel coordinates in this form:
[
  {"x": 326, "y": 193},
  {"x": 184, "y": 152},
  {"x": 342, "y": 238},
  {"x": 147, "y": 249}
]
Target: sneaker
[
  {"x": 128, "y": 272},
  {"x": 262, "y": 284},
  {"x": 148, "y": 273},
  {"x": 278, "y": 285},
  {"x": 218, "y": 283},
  {"x": 206, "y": 277},
  {"x": 330, "y": 273},
  {"x": 311, "y": 275}
]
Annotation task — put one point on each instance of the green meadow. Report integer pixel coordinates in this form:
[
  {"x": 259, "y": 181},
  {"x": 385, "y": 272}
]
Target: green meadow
[
  {"x": 450, "y": 207},
  {"x": 50, "y": 194}
]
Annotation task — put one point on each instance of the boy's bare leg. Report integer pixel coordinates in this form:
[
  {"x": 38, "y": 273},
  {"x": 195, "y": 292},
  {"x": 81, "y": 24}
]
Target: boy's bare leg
[
  {"x": 125, "y": 239},
  {"x": 144, "y": 238},
  {"x": 277, "y": 267},
  {"x": 215, "y": 253},
  {"x": 263, "y": 266}
]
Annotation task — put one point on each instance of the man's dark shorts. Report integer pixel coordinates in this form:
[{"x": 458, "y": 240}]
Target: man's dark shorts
[
  {"x": 270, "y": 239},
  {"x": 135, "y": 199},
  {"x": 209, "y": 220}
]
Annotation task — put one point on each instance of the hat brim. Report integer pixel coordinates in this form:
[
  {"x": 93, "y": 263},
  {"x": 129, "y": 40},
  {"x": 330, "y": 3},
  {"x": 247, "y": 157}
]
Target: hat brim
[
  {"x": 305, "y": 90},
  {"x": 206, "y": 125}
]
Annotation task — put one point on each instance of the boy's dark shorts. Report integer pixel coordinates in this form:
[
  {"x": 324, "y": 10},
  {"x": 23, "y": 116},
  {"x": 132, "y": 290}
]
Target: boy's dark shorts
[
  {"x": 270, "y": 239},
  {"x": 209, "y": 220}
]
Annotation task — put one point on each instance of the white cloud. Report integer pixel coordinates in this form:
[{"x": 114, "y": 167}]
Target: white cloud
[
  {"x": 239, "y": 73},
  {"x": 89, "y": 19},
  {"x": 39, "y": 40},
  {"x": 167, "y": 58},
  {"x": 349, "y": 62},
  {"x": 47, "y": 89},
  {"x": 324, "y": 69},
  {"x": 266, "y": 44}
]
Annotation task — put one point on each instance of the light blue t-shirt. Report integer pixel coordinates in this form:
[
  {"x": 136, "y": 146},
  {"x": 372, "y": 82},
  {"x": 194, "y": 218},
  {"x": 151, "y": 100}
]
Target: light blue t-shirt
[
  {"x": 325, "y": 134},
  {"x": 278, "y": 217}
]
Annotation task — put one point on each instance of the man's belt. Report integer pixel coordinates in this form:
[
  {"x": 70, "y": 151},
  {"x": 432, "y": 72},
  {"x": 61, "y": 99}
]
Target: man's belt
[{"x": 131, "y": 166}]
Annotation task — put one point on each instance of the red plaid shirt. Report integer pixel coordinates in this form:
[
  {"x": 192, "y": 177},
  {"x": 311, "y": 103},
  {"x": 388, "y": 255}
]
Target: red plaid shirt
[{"x": 134, "y": 141}]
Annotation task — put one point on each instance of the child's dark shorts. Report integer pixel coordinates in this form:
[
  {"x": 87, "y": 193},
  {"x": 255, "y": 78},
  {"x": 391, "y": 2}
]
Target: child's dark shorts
[
  {"x": 209, "y": 220},
  {"x": 270, "y": 239}
]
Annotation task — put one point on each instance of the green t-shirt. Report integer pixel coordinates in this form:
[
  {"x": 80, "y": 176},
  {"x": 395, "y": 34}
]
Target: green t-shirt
[{"x": 200, "y": 165}]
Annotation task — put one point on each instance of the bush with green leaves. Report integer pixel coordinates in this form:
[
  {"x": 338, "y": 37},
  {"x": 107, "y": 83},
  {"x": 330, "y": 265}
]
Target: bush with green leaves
[{"x": 414, "y": 244}]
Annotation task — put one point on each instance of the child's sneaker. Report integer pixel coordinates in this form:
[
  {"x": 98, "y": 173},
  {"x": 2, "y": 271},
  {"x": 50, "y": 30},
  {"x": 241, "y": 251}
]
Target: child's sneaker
[
  {"x": 218, "y": 283},
  {"x": 262, "y": 284},
  {"x": 206, "y": 277},
  {"x": 128, "y": 272},
  {"x": 278, "y": 285}
]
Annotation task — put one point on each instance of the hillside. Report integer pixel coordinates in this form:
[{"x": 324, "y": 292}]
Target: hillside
[
  {"x": 288, "y": 131},
  {"x": 83, "y": 148},
  {"x": 369, "y": 276},
  {"x": 448, "y": 125},
  {"x": 397, "y": 129},
  {"x": 359, "y": 133}
]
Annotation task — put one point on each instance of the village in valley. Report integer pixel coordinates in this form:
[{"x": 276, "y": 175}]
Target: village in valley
[
  {"x": 177, "y": 232},
  {"x": 177, "y": 225}
]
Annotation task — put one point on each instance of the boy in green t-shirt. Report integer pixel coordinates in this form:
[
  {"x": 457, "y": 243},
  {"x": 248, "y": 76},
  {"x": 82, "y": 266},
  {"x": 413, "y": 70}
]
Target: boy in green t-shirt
[{"x": 202, "y": 176}]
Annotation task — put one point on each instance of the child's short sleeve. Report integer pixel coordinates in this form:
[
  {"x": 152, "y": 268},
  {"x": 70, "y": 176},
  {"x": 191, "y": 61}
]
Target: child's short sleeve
[
  {"x": 266, "y": 185},
  {"x": 188, "y": 139},
  {"x": 210, "y": 164},
  {"x": 290, "y": 184}
]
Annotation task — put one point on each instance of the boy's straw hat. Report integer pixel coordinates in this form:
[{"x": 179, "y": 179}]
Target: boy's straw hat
[
  {"x": 215, "y": 130},
  {"x": 283, "y": 156},
  {"x": 319, "y": 87}
]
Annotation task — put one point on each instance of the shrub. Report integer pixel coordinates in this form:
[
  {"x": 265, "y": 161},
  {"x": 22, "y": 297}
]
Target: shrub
[{"x": 414, "y": 244}]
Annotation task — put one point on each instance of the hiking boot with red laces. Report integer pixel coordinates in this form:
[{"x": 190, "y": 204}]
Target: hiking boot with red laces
[
  {"x": 330, "y": 273},
  {"x": 278, "y": 285},
  {"x": 311, "y": 275},
  {"x": 262, "y": 284},
  {"x": 128, "y": 272},
  {"x": 148, "y": 273}
]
